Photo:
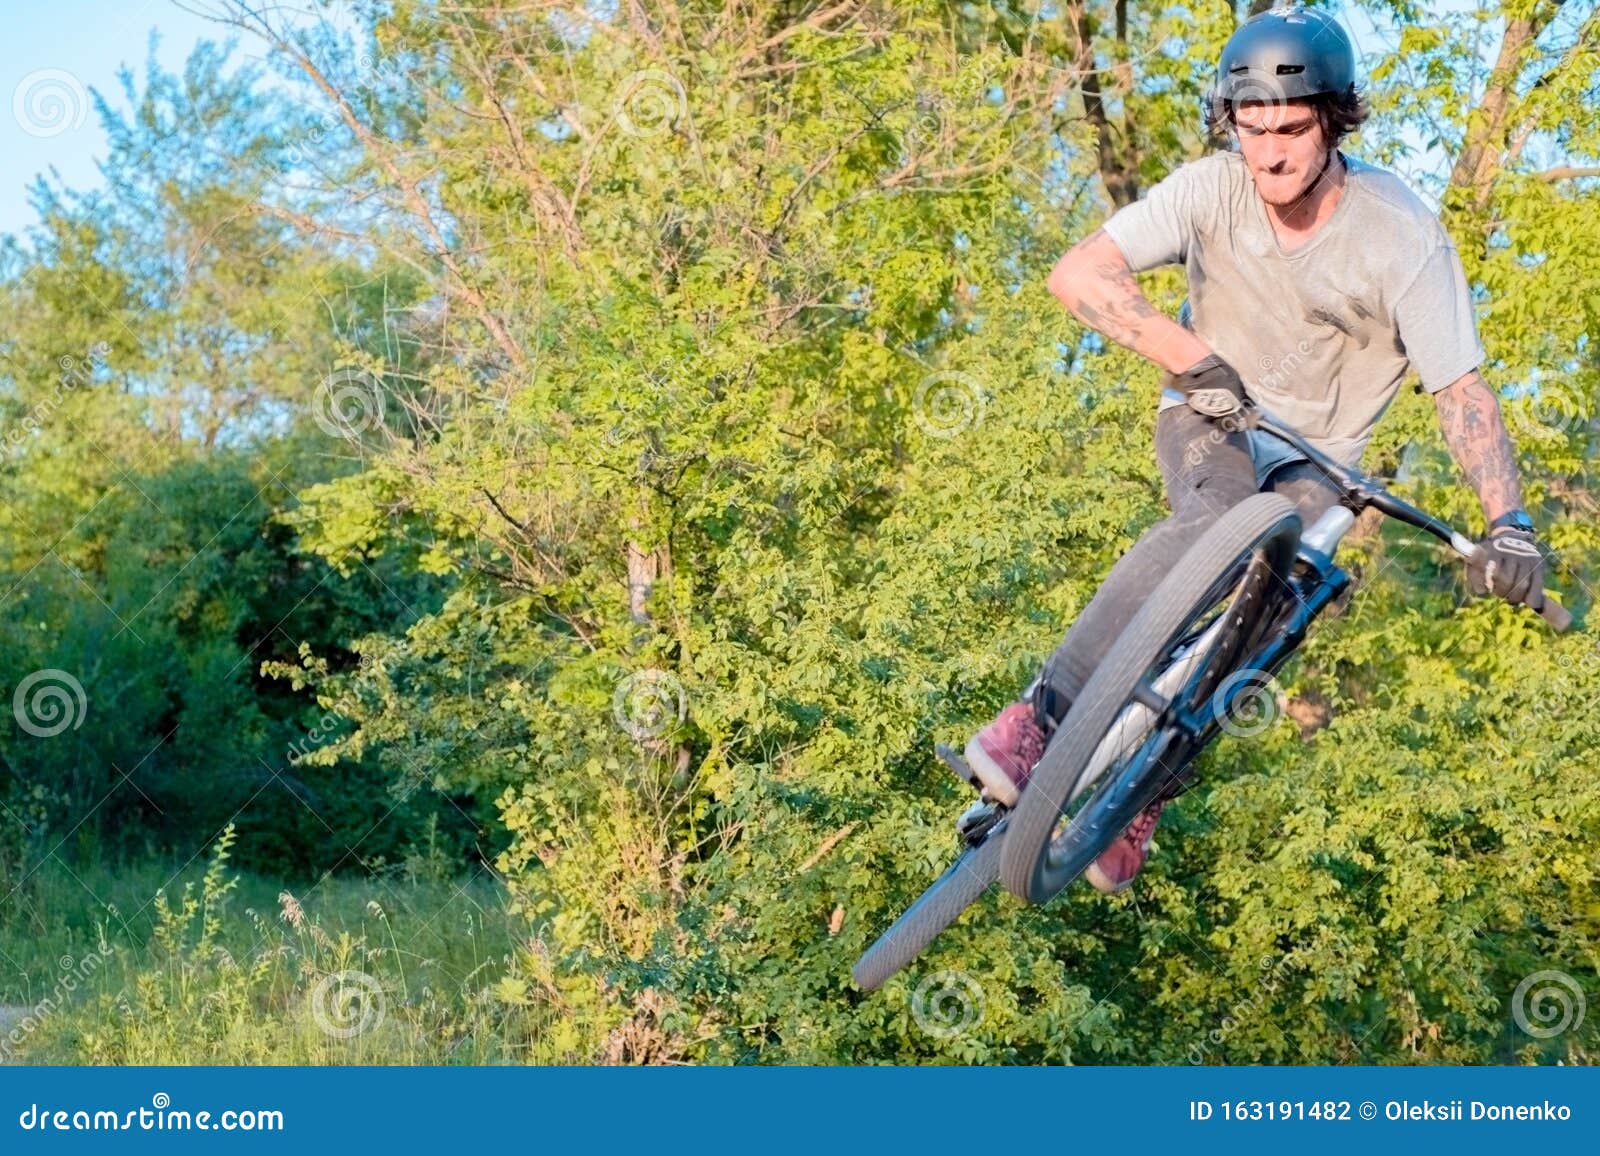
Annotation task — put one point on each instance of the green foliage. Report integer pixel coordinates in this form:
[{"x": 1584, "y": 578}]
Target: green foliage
[
  {"x": 143, "y": 556},
  {"x": 396, "y": 968},
  {"x": 727, "y": 454}
]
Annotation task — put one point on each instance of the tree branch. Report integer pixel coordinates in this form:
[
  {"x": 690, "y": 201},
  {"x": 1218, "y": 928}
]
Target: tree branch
[
  {"x": 1482, "y": 154},
  {"x": 241, "y": 15},
  {"x": 1567, "y": 173}
]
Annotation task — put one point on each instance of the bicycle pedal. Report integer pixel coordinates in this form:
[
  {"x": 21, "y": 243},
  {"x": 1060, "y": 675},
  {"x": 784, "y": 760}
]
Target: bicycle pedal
[{"x": 952, "y": 759}]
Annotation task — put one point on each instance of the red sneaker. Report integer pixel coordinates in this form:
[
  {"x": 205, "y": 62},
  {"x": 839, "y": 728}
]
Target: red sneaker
[
  {"x": 1003, "y": 753},
  {"x": 1120, "y": 862}
]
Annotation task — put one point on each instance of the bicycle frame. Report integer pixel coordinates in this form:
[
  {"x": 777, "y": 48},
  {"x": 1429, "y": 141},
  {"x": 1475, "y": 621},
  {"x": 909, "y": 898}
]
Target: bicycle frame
[{"x": 1315, "y": 581}]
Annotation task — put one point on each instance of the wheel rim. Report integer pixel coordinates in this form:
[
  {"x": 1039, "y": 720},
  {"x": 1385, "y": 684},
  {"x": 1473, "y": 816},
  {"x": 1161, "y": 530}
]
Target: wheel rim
[{"x": 1125, "y": 787}]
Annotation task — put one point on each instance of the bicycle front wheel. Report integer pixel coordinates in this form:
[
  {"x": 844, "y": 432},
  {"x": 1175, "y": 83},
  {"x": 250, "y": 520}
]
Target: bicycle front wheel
[{"x": 1190, "y": 635}]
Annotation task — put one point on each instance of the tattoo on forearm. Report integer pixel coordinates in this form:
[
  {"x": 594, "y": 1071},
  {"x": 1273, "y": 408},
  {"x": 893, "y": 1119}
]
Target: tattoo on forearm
[
  {"x": 1476, "y": 434},
  {"x": 1121, "y": 307}
]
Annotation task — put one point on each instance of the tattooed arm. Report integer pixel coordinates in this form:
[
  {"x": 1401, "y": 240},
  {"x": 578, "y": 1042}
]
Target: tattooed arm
[
  {"x": 1477, "y": 437},
  {"x": 1093, "y": 281}
]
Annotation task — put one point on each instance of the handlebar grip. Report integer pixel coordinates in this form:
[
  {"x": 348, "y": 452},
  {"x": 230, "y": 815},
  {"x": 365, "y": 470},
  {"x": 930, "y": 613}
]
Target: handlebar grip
[{"x": 1556, "y": 615}]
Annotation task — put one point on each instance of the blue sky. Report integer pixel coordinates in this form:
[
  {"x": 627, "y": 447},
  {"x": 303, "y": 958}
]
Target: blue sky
[{"x": 54, "y": 52}]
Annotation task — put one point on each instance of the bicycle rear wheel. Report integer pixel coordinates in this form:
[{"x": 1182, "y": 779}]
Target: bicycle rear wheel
[{"x": 1191, "y": 634}]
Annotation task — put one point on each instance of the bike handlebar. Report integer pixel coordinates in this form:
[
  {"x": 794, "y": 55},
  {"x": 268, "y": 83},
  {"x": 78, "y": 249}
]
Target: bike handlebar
[{"x": 1366, "y": 491}]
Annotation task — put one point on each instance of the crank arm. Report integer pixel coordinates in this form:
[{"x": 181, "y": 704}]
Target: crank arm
[{"x": 953, "y": 759}]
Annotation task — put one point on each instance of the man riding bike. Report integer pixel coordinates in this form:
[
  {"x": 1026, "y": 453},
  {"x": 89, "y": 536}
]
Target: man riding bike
[{"x": 1315, "y": 282}]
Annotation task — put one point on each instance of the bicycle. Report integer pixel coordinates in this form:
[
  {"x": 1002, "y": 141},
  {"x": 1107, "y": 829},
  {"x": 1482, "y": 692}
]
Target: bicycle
[{"x": 1215, "y": 629}]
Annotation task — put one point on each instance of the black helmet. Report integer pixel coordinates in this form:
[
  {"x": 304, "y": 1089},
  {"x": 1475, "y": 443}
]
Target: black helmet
[{"x": 1283, "y": 54}]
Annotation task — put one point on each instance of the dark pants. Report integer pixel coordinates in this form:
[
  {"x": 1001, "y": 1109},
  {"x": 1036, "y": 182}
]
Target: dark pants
[{"x": 1207, "y": 471}]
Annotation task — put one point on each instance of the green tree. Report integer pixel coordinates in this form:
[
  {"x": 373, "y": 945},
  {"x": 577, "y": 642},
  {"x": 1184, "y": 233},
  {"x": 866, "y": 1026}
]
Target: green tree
[{"x": 746, "y": 454}]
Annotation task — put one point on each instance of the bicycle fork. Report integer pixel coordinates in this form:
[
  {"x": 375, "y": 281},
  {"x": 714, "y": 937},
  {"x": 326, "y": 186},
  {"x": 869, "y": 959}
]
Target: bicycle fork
[{"x": 1315, "y": 582}]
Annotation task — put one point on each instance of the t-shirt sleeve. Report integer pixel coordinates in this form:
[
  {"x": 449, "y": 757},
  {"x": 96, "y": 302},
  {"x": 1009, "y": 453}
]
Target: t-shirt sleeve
[
  {"x": 1159, "y": 228},
  {"x": 1435, "y": 321}
]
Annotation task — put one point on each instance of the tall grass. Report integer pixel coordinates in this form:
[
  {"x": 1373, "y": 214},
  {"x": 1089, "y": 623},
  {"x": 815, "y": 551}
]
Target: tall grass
[{"x": 145, "y": 965}]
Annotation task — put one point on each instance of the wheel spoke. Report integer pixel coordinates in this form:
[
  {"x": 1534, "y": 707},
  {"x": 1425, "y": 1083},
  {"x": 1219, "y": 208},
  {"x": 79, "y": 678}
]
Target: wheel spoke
[{"x": 1118, "y": 777}]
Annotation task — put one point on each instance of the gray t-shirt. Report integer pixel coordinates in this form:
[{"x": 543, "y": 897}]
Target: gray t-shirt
[{"x": 1322, "y": 334}]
